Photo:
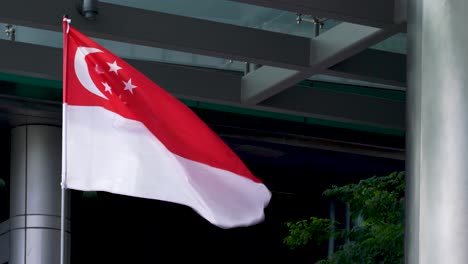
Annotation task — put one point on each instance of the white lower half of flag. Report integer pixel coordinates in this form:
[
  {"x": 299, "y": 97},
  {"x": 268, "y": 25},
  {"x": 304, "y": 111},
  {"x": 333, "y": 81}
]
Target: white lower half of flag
[{"x": 107, "y": 152}]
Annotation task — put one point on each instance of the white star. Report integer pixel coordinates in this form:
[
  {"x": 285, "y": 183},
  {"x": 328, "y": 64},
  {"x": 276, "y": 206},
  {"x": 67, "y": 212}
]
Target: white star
[
  {"x": 114, "y": 67},
  {"x": 129, "y": 86},
  {"x": 107, "y": 87}
]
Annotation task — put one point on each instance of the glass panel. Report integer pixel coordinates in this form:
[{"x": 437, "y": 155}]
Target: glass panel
[
  {"x": 127, "y": 50},
  {"x": 395, "y": 43},
  {"x": 35, "y": 36},
  {"x": 231, "y": 12}
]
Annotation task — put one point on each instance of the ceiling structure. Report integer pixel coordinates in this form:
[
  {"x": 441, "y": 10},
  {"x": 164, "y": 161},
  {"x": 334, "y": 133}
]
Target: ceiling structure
[{"x": 198, "y": 50}]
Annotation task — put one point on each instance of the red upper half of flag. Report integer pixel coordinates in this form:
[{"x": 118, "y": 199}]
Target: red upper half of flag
[{"x": 93, "y": 76}]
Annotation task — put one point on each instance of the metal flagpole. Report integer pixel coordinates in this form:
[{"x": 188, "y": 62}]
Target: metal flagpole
[
  {"x": 66, "y": 28},
  {"x": 62, "y": 227}
]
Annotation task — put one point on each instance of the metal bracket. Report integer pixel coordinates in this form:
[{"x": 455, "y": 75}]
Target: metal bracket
[
  {"x": 318, "y": 22},
  {"x": 10, "y": 32}
]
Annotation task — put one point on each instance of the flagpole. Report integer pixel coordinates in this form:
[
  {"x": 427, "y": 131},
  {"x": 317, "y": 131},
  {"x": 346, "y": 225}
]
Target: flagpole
[
  {"x": 62, "y": 228},
  {"x": 66, "y": 28}
]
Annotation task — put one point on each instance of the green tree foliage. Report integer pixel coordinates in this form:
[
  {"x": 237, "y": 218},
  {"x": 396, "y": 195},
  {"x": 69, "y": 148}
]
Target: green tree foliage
[{"x": 377, "y": 211}]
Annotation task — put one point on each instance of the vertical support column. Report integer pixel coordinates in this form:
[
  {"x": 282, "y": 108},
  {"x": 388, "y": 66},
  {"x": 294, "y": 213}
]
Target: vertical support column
[
  {"x": 35, "y": 195},
  {"x": 437, "y": 138}
]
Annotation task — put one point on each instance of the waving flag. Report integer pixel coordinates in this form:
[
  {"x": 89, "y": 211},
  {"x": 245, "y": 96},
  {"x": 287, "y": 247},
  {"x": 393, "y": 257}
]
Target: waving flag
[{"x": 124, "y": 134}]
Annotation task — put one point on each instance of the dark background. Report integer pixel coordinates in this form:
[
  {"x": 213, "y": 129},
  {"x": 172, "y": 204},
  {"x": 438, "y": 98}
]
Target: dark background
[
  {"x": 110, "y": 228},
  {"x": 119, "y": 229}
]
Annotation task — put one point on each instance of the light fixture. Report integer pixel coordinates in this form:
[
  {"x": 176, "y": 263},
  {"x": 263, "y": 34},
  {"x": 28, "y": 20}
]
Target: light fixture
[{"x": 88, "y": 8}]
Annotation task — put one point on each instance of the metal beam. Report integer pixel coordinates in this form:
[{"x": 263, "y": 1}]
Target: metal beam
[
  {"x": 156, "y": 29},
  {"x": 373, "y": 65},
  {"x": 339, "y": 106},
  {"x": 220, "y": 87},
  {"x": 328, "y": 49},
  {"x": 326, "y": 144},
  {"x": 366, "y": 12}
]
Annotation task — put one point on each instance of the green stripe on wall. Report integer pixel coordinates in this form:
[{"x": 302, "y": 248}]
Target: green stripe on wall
[{"x": 30, "y": 80}]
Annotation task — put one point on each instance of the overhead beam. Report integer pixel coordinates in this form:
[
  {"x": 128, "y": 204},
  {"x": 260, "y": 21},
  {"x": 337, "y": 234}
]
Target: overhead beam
[
  {"x": 374, "y": 66},
  {"x": 328, "y": 49},
  {"x": 220, "y": 87},
  {"x": 366, "y": 12},
  {"x": 162, "y": 30},
  {"x": 339, "y": 106},
  {"x": 325, "y": 144}
]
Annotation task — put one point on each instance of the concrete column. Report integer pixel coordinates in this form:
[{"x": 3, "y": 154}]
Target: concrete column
[
  {"x": 35, "y": 195},
  {"x": 437, "y": 138}
]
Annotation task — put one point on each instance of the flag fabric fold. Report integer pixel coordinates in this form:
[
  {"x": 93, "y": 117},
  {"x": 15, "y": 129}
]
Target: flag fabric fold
[{"x": 126, "y": 135}]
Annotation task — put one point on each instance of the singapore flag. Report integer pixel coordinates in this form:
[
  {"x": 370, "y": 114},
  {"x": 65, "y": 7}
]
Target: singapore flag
[{"x": 124, "y": 134}]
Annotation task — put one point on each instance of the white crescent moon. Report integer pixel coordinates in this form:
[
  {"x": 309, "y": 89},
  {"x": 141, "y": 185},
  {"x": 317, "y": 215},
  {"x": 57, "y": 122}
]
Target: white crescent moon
[{"x": 82, "y": 72}]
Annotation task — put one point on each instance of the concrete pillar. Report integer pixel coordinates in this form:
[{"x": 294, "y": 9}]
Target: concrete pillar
[
  {"x": 437, "y": 137},
  {"x": 35, "y": 195}
]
